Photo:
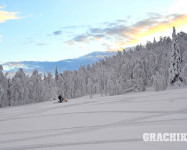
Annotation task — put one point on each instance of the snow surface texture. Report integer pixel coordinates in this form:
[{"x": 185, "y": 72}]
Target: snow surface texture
[{"x": 100, "y": 123}]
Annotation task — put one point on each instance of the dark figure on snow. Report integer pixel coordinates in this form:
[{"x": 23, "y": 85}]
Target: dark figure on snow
[{"x": 61, "y": 99}]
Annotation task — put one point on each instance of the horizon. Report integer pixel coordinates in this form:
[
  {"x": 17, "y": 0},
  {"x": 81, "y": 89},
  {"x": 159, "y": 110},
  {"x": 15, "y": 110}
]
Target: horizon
[
  {"x": 4, "y": 63},
  {"x": 58, "y": 30}
]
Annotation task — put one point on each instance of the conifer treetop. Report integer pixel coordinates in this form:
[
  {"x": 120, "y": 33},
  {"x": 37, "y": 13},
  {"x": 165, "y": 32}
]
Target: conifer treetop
[{"x": 174, "y": 32}]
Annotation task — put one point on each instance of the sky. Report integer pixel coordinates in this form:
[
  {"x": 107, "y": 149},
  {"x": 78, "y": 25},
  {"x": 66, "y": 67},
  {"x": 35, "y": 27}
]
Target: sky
[{"x": 53, "y": 30}]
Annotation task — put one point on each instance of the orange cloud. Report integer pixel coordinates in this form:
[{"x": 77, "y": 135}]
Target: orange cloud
[
  {"x": 143, "y": 32},
  {"x": 118, "y": 36},
  {"x": 5, "y": 15},
  {"x": 160, "y": 27}
]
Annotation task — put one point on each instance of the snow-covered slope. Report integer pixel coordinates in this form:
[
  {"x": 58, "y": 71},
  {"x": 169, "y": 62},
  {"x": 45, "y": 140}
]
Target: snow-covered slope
[{"x": 100, "y": 123}]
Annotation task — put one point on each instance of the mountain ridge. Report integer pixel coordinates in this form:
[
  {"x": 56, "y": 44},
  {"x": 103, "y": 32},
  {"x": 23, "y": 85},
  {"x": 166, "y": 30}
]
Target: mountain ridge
[{"x": 47, "y": 66}]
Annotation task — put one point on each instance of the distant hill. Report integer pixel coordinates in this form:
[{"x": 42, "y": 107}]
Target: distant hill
[{"x": 67, "y": 64}]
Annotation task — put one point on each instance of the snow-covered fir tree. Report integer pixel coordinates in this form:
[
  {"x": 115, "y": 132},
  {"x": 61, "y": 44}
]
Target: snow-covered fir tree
[
  {"x": 175, "y": 75},
  {"x": 38, "y": 91},
  {"x": 3, "y": 89},
  {"x": 19, "y": 89},
  {"x": 56, "y": 73},
  {"x": 184, "y": 73}
]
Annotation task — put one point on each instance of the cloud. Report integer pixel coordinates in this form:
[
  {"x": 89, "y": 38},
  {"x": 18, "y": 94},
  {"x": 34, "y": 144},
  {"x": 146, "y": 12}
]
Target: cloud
[
  {"x": 2, "y": 7},
  {"x": 152, "y": 14},
  {"x": 82, "y": 38},
  {"x": 14, "y": 66},
  {"x": 5, "y": 15},
  {"x": 70, "y": 42},
  {"x": 41, "y": 44},
  {"x": 146, "y": 23},
  {"x": 121, "y": 21},
  {"x": 59, "y": 32},
  {"x": 120, "y": 35},
  {"x": 29, "y": 41}
]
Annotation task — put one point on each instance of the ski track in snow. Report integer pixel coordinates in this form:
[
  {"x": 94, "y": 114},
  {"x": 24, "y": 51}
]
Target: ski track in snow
[
  {"x": 147, "y": 118},
  {"x": 63, "y": 144},
  {"x": 97, "y": 127}
]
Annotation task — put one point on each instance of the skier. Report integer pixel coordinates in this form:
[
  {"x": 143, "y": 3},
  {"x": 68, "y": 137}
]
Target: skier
[{"x": 61, "y": 99}]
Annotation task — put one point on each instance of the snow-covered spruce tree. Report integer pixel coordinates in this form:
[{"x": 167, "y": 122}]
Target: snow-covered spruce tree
[
  {"x": 81, "y": 75},
  {"x": 139, "y": 75},
  {"x": 90, "y": 87},
  {"x": 3, "y": 89},
  {"x": 19, "y": 89},
  {"x": 175, "y": 76},
  {"x": 60, "y": 85},
  {"x": 51, "y": 88},
  {"x": 56, "y": 73},
  {"x": 37, "y": 89},
  {"x": 184, "y": 73}
]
